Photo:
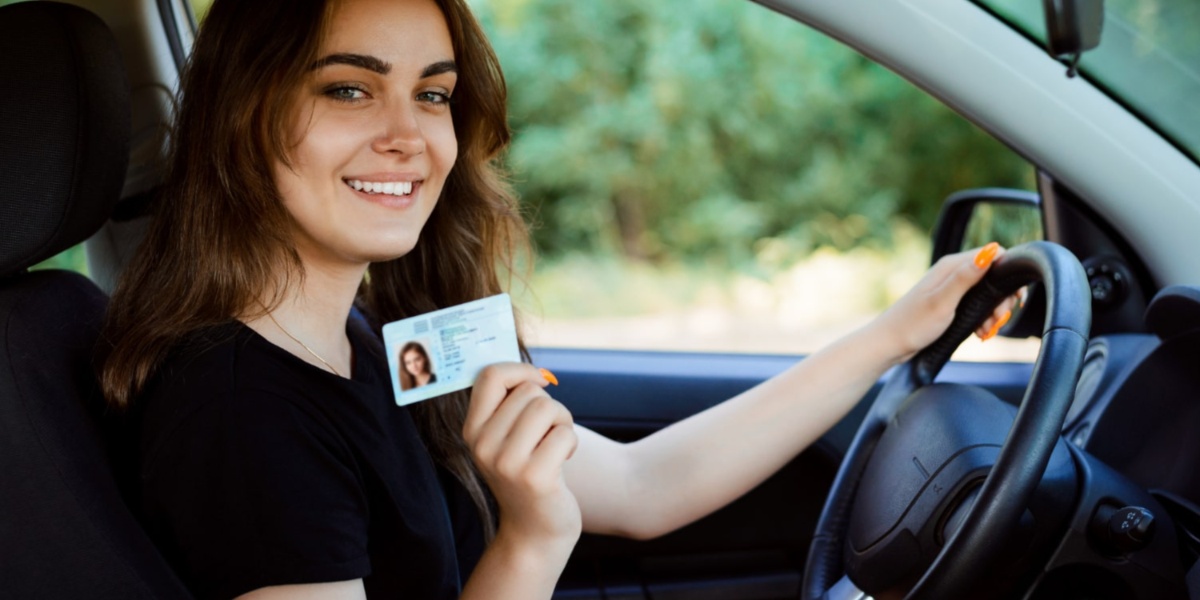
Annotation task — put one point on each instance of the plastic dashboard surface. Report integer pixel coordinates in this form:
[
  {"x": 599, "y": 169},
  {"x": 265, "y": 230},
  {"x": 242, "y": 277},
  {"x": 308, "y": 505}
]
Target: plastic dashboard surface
[{"x": 1138, "y": 401}]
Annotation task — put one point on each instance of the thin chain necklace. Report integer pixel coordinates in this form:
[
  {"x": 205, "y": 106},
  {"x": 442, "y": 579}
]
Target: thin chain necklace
[{"x": 302, "y": 344}]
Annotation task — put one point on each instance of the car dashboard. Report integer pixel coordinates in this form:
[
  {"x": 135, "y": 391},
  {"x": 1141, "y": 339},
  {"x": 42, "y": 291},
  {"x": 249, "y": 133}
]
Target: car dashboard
[{"x": 1136, "y": 410}]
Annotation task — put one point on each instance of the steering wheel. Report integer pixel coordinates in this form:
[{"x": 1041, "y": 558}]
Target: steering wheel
[{"x": 910, "y": 482}]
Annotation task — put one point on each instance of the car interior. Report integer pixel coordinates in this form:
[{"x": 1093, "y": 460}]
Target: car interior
[
  {"x": 1077, "y": 476},
  {"x": 65, "y": 153}
]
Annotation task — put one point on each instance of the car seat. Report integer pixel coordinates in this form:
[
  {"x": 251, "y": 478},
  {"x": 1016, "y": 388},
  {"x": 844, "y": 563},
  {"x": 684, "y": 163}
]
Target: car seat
[{"x": 65, "y": 531}]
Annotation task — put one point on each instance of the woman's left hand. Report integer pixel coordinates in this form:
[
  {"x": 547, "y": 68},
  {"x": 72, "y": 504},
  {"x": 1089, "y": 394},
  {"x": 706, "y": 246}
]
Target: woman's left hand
[{"x": 924, "y": 313}]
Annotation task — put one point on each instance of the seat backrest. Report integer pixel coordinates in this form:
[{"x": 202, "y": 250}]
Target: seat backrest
[{"x": 65, "y": 531}]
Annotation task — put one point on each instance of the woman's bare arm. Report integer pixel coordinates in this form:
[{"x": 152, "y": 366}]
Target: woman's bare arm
[
  {"x": 690, "y": 469},
  {"x": 335, "y": 590}
]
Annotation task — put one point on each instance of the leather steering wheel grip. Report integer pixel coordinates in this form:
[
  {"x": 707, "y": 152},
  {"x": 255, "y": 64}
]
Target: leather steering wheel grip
[
  {"x": 1047, "y": 262},
  {"x": 1017, "y": 471}
]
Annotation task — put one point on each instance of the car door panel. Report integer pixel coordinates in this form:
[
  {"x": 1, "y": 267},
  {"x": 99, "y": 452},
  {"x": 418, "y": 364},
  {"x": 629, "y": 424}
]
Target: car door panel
[{"x": 754, "y": 547}]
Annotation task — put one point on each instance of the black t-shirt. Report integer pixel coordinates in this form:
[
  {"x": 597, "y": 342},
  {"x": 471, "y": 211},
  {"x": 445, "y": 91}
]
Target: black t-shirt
[{"x": 257, "y": 469}]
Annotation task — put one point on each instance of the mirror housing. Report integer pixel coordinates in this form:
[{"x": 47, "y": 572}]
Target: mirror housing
[{"x": 1073, "y": 27}]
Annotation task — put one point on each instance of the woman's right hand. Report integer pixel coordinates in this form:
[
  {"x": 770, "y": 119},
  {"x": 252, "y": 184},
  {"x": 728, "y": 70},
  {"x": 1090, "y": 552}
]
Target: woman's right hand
[{"x": 520, "y": 438}]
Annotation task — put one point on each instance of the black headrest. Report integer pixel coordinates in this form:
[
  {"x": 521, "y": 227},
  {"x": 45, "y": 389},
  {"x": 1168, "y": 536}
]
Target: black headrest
[{"x": 64, "y": 129}]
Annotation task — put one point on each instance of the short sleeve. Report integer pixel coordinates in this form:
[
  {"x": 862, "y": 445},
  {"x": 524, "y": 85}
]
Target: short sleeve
[{"x": 253, "y": 490}]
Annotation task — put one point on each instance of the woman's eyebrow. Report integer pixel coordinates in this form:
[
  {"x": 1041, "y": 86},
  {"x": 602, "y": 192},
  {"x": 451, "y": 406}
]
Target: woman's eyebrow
[
  {"x": 361, "y": 61},
  {"x": 437, "y": 68}
]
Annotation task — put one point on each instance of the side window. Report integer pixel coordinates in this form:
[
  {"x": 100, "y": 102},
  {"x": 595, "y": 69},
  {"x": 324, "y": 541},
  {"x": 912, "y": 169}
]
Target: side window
[{"x": 712, "y": 176}]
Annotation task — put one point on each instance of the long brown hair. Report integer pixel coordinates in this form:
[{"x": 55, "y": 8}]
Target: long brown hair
[{"x": 221, "y": 237}]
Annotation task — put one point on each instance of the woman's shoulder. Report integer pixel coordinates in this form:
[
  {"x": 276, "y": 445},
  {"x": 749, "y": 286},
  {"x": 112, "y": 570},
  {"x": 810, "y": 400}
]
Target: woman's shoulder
[
  {"x": 229, "y": 358},
  {"x": 215, "y": 372},
  {"x": 208, "y": 360},
  {"x": 225, "y": 383},
  {"x": 229, "y": 374}
]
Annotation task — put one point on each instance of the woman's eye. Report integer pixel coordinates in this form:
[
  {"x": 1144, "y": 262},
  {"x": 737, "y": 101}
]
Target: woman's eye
[
  {"x": 434, "y": 97},
  {"x": 345, "y": 93}
]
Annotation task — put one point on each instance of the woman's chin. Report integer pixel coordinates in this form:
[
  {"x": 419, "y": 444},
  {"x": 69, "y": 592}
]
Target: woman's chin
[{"x": 386, "y": 252}]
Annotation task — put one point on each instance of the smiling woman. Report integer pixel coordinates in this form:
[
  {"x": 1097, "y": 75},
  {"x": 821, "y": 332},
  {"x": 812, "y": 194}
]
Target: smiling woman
[{"x": 271, "y": 452}]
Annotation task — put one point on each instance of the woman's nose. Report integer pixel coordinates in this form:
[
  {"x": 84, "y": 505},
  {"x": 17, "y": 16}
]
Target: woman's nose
[{"x": 402, "y": 134}]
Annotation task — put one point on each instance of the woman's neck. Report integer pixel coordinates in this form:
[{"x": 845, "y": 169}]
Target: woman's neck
[{"x": 309, "y": 317}]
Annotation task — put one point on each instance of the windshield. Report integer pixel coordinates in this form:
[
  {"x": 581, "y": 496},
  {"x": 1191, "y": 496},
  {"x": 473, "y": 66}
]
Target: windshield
[{"x": 1148, "y": 58}]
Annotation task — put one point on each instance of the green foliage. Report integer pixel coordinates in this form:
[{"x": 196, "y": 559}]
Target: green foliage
[
  {"x": 200, "y": 9},
  {"x": 681, "y": 130},
  {"x": 71, "y": 259}
]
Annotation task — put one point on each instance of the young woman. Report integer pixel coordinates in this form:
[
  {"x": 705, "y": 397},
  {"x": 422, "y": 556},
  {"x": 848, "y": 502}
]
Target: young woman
[
  {"x": 341, "y": 151},
  {"x": 415, "y": 368}
]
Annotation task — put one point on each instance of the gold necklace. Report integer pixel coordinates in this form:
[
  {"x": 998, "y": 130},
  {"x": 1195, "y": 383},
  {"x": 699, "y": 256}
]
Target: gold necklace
[{"x": 302, "y": 344}]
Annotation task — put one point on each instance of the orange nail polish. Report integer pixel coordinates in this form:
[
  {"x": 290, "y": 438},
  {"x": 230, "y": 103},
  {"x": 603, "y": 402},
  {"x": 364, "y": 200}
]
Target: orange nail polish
[
  {"x": 548, "y": 376},
  {"x": 996, "y": 328},
  {"x": 1004, "y": 319},
  {"x": 986, "y": 255}
]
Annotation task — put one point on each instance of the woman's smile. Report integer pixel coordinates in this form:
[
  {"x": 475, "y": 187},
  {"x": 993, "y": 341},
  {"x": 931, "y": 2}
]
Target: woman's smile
[{"x": 389, "y": 190}]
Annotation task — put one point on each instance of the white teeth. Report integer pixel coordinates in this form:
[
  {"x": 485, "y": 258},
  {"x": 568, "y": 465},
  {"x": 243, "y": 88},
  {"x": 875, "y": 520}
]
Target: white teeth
[{"x": 393, "y": 188}]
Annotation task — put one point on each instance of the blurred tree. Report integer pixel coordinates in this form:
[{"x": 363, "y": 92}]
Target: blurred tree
[{"x": 675, "y": 130}]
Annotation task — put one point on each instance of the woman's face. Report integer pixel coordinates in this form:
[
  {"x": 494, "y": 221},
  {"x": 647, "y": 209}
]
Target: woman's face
[
  {"x": 414, "y": 363},
  {"x": 371, "y": 137}
]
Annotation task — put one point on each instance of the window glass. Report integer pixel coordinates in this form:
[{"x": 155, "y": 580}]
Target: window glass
[
  {"x": 712, "y": 176},
  {"x": 71, "y": 259},
  {"x": 200, "y": 9},
  {"x": 1148, "y": 58}
]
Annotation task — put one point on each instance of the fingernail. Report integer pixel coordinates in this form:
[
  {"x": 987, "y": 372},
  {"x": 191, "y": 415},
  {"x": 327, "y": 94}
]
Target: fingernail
[
  {"x": 986, "y": 255},
  {"x": 548, "y": 376},
  {"x": 996, "y": 328}
]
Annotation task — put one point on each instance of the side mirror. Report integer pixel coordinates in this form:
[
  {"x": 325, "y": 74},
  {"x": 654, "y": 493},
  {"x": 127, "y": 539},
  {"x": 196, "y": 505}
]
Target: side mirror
[
  {"x": 972, "y": 218},
  {"x": 1073, "y": 27}
]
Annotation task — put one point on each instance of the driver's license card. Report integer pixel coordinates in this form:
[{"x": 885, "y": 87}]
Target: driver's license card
[{"x": 443, "y": 351}]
